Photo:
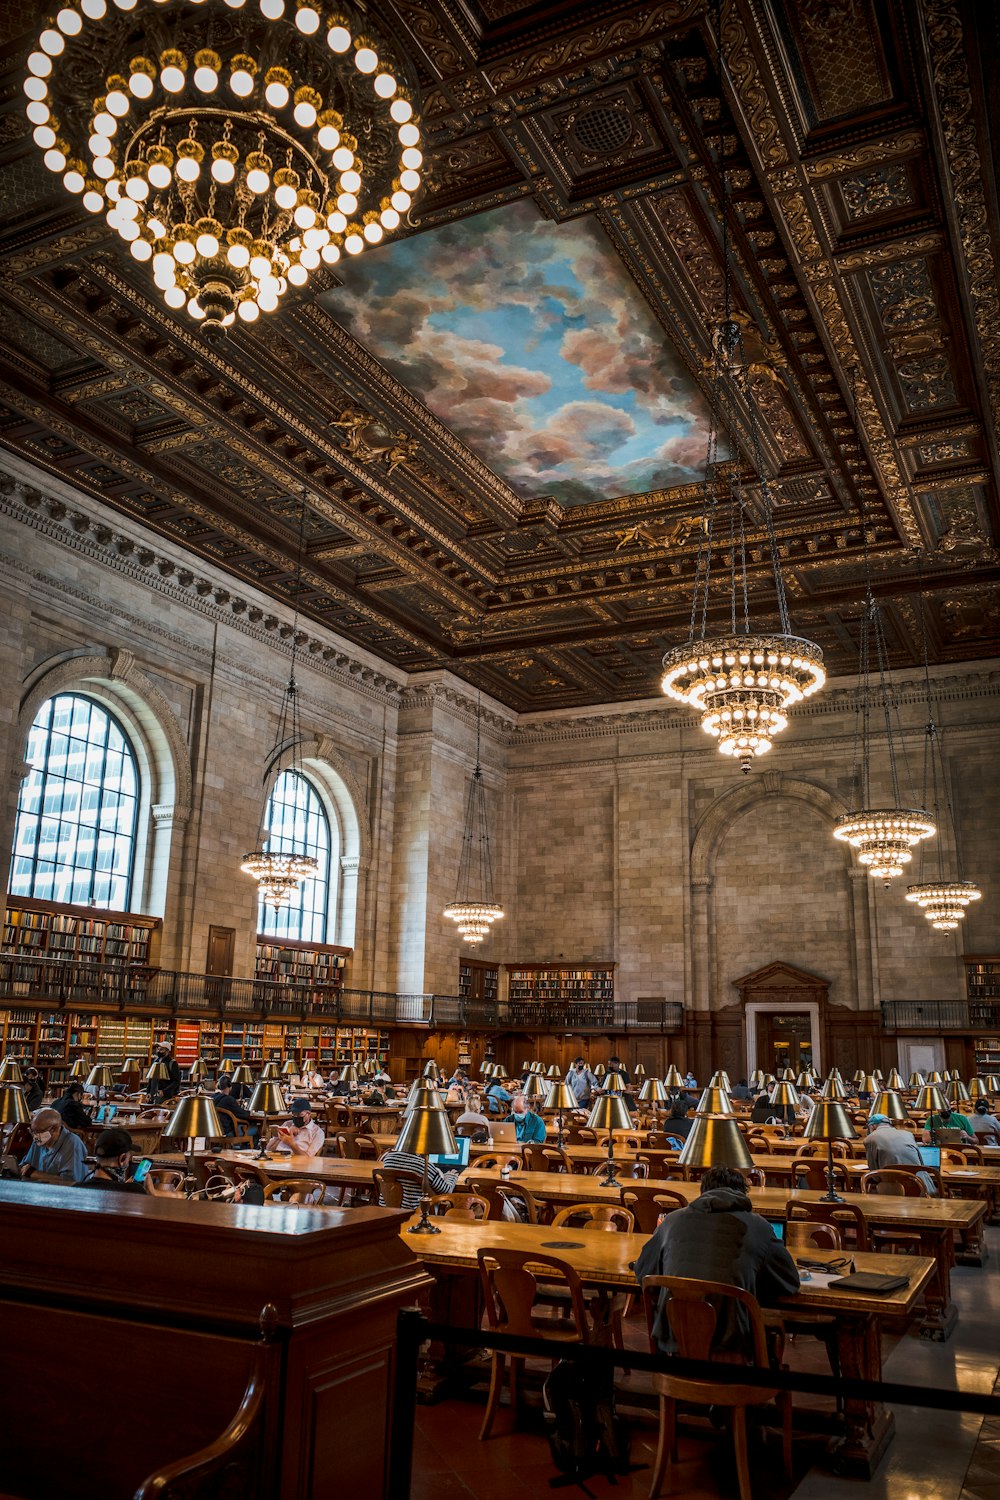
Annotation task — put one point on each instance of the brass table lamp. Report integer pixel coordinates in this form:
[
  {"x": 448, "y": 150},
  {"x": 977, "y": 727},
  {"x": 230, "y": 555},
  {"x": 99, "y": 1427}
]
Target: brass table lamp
[
  {"x": 673, "y": 1078},
  {"x": 559, "y": 1099},
  {"x": 267, "y": 1099},
  {"x": 10, "y": 1071},
  {"x": 426, "y": 1132},
  {"x": 894, "y": 1081},
  {"x": 79, "y": 1068},
  {"x": 887, "y": 1102},
  {"x": 931, "y": 1099},
  {"x": 610, "y": 1113},
  {"x": 268, "y": 1073},
  {"x": 198, "y": 1071},
  {"x": 833, "y": 1089},
  {"x": 431, "y": 1070},
  {"x": 829, "y": 1122},
  {"x": 720, "y": 1080},
  {"x": 194, "y": 1116},
  {"x": 243, "y": 1078},
  {"x": 714, "y": 1101},
  {"x": 715, "y": 1141},
  {"x": 638, "y": 1071}
]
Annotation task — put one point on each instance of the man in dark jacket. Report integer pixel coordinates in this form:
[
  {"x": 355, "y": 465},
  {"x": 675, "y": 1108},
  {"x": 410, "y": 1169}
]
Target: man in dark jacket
[
  {"x": 33, "y": 1091},
  {"x": 718, "y": 1237},
  {"x": 223, "y": 1099},
  {"x": 678, "y": 1123},
  {"x": 70, "y": 1107},
  {"x": 169, "y": 1087}
]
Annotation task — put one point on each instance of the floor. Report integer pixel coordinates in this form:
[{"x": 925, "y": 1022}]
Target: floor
[{"x": 935, "y": 1456}]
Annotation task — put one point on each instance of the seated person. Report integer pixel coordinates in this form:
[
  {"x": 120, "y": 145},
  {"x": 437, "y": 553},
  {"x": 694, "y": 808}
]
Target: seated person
[
  {"x": 950, "y": 1121},
  {"x": 615, "y": 1065},
  {"x": 69, "y": 1106},
  {"x": 32, "y": 1089},
  {"x": 54, "y": 1150},
  {"x": 224, "y": 1098},
  {"x": 497, "y": 1098},
  {"x": 381, "y": 1076},
  {"x": 312, "y": 1078},
  {"x": 718, "y": 1237},
  {"x": 677, "y": 1122},
  {"x": 111, "y": 1162},
  {"x": 527, "y": 1125},
  {"x": 438, "y": 1181},
  {"x": 742, "y": 1090},
  {"x": 986, "y": 1126},
  {"x": 302, "y": 1136},
  {"x": 337, "y": 1087},
  {"x": 472, "y": 1115},
  {"x": 762, "y": 1109},
  {"x": 690, "y": 1081},
  {"x": 888, "y": 1147}
]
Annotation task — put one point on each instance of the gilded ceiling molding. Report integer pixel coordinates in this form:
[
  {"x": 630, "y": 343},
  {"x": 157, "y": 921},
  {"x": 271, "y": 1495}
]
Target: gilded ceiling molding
[
  {"x": 946, "y": 39},
  {"x": 907, "y": 143},
  {"x": 927, "y": 243},
  {"x": 750, "y": 90}
]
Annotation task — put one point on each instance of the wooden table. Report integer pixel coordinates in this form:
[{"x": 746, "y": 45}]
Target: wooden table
[
  {"x": 935, "y": 1220},
  {"x": 606, "y": 1262}
]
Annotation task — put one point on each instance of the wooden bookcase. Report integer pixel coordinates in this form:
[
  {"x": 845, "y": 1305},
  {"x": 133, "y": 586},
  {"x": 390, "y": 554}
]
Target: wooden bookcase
[
  {"x": 554, "y": 984},
  {"x": 39, "y": 930},
  {"x": 312, "y": 965},
  {"x": 477, "y": 980}
]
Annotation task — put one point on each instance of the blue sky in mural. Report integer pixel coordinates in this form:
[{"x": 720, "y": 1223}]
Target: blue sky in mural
[{"x": 530, "y": 341}]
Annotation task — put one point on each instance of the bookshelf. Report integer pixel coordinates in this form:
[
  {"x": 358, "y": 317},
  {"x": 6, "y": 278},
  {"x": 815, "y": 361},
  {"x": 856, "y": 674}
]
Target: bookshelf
[
  {"x": 477, "y": 980},
  {"x": 307, "y": 965},
  {"x": 555, "y": 984},
  {"x": 982, "y": 984},
  {"x": 37, "y": 930}
]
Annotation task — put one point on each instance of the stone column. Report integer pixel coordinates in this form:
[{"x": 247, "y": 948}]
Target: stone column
[
  {"x": 163, "y": 880},
  {"x": 865, "y": 951},
  {"x": 701, "y": 953}
]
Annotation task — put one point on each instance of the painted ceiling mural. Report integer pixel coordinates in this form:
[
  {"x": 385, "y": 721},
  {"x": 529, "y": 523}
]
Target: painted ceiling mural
[{"x": 531, "y": 343}]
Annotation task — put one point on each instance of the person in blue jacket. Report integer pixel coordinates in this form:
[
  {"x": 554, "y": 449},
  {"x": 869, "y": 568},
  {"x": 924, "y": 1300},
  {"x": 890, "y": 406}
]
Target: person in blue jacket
[
  {"x": 528, "y": 1125},
  {"x": 496, "y": 1098}
]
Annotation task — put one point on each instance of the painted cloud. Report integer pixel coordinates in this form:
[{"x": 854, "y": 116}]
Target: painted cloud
[{"x": 530, "y": 341}]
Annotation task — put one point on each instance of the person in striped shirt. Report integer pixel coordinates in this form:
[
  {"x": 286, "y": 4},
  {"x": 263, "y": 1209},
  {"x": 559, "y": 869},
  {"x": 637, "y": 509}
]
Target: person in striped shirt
[{"x": 407, "y": 1161}]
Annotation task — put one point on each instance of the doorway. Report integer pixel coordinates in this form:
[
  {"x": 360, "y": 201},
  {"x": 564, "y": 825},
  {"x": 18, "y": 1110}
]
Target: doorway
[{"x": 784, "y": 1040}]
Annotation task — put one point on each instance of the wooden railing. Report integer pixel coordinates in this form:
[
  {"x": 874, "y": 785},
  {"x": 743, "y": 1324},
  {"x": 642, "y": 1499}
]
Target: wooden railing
[{"x": 939, "y": 1015}]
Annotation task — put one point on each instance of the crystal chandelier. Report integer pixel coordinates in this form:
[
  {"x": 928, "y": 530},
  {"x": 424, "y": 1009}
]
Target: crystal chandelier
[
  {"x": 475, "y": 909},
  {"x": 741, "y": 682},
  {"x": 279, "y": 872},
  {"x": 233, "y": 145},
  {"x": 942, "y": 901},
  {"x": 883, "y": 836}
]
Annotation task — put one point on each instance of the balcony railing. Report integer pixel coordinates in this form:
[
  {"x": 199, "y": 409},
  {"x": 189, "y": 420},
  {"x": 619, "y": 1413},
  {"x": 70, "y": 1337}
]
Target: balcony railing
[
  {"x": 939, "y": 1015},
  {"x": 67, "y": 984}
]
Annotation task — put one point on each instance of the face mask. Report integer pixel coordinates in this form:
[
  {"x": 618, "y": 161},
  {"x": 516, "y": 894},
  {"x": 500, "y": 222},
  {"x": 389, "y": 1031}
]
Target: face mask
[{"x": 44, "y": 1138}]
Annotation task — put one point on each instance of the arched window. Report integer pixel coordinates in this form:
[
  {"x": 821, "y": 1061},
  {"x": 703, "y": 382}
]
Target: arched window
[
  {"x": 298, "y": 824},
  {"x": 74, "y": 840}
]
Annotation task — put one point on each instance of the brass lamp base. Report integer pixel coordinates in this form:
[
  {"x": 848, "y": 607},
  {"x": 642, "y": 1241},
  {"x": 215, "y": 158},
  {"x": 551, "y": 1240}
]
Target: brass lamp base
[
  {"x": 425, "y": 1226},
  {"x": 830, "y": 1196}
]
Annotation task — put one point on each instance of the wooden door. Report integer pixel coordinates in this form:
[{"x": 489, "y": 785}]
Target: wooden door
[
  {"x": 221, "y": 948},
  {"x": 784, "y": 1040}
]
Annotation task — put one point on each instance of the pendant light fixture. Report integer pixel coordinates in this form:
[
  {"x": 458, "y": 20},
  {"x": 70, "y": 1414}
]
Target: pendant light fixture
[
  {"x": 743, "y": 680},
  {"x": 475, "y": 907},
  {"x": 942, "y": 900},
  {"x": 279, "y": 869}
]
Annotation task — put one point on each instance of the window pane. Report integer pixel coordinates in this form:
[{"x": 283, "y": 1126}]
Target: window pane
[
  {"x": 77, "y": 786},
  {"x": 298, "y": 824}
]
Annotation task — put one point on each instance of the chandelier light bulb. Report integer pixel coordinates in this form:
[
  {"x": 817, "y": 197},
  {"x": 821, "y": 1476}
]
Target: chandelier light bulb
[
  {"x": 117, "y": 103},
  {"x": 297, "y": 274},
  {"x": 412, "y": 158},
  {"x": 44, "y": 136},
  {"x": 55, "y": 159},
  {"x": 195, "y": 308},
  {"x": 409, "y": 181},
  {"x": 267, "y": 301},
  {"x": 365, "y": 58},
  {"x": 223, "y": 169},
  {"x": 307, "y": 20},
  {"x": 206, "y": 70},
  {"x": 93, "y": 199},
  {"x": 330, "y": 254},
  {"x": 277, "y": 87},
  {"x": 339, "y": 39},
  {"x": 94, "y": 10},
  {"x": 241, "y": 79},
  {"x": 74, "y": 180},
  {"x": 52, "y": 42},
  {"x": 385, "y": 85},
  {"x": 343, "y": 159},
  {"x": 401, "y": 110},
  {"x": 248, "y": 311},
  {"x": 389, "y": 218},
  {"x": 39, "y": 64},
  {"x": 408, "y": 135},
  {"x": 309, "y": 259},
  {"x": 373, "y": 232},
  {"x": 69, "y": 22},
  {"x": 141, "y": 250},
  {"x": 401, "y": 201},
  {"x": 137, "y": 188},
  {"x": 174, "y": 298},
  {"x": 105, "y": 124},
  {"x": 272, "y": 10},
  {"x": 35, "y": 88}
]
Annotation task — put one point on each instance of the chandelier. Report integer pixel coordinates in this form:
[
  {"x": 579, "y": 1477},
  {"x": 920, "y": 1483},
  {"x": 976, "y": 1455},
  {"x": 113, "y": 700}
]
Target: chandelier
[
  {"x": 475, "y": 909},
  {"x": 234, "y": 145},
  {"x": 942, "y": 901},
  {"x": 742, "y": 682},
  {"x": 279, "y": 872},
  {"x": 883, "y": 836}
]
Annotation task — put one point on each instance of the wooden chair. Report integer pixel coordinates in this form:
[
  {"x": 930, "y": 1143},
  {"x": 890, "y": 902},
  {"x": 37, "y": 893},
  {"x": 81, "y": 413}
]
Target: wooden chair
[
  {"x": 534, "y": 1157},
  {"x": 608, "y": 1216},
  {"x": 554, "y": 1158},
  {"x": 755, "y": 1177},
  {"x": 662, "y": 1165},
  {"x": 692, "y": 1312},
  {"x": 470, "y": 1206},
  {"x": 510, "y": 1289},
  {"x": 496, "y": 1163},
  {"x": 472, "y": 1132},
  {"x": 758, "y": 1145},
  {"x": 810, "y": 1172},
  {"x": 366, "y": 1148},
  {"x": 648, "y": 1205},
  {"x": 164, "y": 1182},
  {"x": 522, "y": 1202},
  {"x": 389, "y": 1184},
  {"x": 588, "y": 1137},
  {"x": 899, "y": 1183},
  {"x": 239, "y": 1132},
  {"x": 847, "y": 1217},
  {"x": 295, "y": 1190},
  {"x": 803, "y": 1236},
  {"x": 631, "y": 1169}
]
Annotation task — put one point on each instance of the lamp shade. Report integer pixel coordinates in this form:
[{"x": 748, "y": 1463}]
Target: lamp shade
[
  {"x": 194, "y": 1115},
  {"x": 431, "y": 1070},
  {"x": 427, "y": 1132},
  {"x": 954, "y": 1075},
  {"x": 610, "y": 1112},
  {"x": 935, "y": 1078},
  {"x": 715, "y": 1141},
  {"x": 526, "y": 1066},
  {"x": 957, "y": 1092},
  {"x": 537, "y": 1067},
  {"x": 639, "y": 1071},
  {"x": 978, "y": 1089},
  {"x": 992, "y": 1082},
  {"x": 155, "y": 1073},
  {"x": 857, "y": 1075},
  {"x": 784, "y": 1096},
  {"x": 889, "y": 1103},
  {"x": 553, "y": 1072},
  {"x": 613, "y": 1083},
  {"x": 653, "y": 1092},
  {"x": 916, "y": 1081},
  {"x": 600, "y": 1070},
  {"x": 13, "y": 1108},
  {"x": 877, "y": 1073},
  {"x": 756, "y": 1078},
  {"x": 534, "y": 1087},
  {"x": 720, "y": 1080},
  {"x": 829, "y": 1121},
  {"x": 787, "y": 1075},
  {"x": 895, "y": 1080},
  {"x": 349, "y": 1075},
  {"x": 100, "y": 1077},
  {"x": 79, "y": 1069},
  {"x": 559, "y": 1098},
  {"x": 131, "y": 1068},
  {"x": 198, "y": 1070},
  {"x": 833, "y": 1089},
  {"x": 672, "y": 1078},
  {"x": 805, "y": 1080},
  {"x": 10, "y": 1071},
  {"x": 268, "y": 1098},
  {"x": 424, "y": 1098},
  {"x": 243, "y": 1076},
  {"x": 289, "y": 1067},
  {"x": 268, "y": 1072},
  {"x": 932, "y": 1100},
  {"x": 869, "y": 1084},
  {"x": 714, "y": 1101}
]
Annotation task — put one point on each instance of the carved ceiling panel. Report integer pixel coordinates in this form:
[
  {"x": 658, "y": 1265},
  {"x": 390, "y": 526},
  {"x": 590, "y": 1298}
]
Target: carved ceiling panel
[{"x": 453, "y": 479}]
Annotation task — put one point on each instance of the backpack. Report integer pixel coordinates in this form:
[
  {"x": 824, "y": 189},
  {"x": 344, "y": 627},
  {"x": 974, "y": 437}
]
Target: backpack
[{"x": 586, "y": 1435}]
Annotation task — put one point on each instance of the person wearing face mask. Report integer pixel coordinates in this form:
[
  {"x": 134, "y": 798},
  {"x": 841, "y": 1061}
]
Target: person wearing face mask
[
  {"x": 54, "y": 1150},
  {"x": 985, "y": 1126},
  {"x": 528, "y": 1125},
  {"x": 165, "y": 1088},
  {"x": 582, "y": 1082},
  {"x": 33, "y": 1091},
  {"x": 112, "y": 1159}
]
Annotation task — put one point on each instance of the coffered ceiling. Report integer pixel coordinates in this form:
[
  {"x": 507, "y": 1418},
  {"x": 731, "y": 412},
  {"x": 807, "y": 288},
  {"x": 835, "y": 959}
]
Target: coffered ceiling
[{"x": 499, "y": 417}]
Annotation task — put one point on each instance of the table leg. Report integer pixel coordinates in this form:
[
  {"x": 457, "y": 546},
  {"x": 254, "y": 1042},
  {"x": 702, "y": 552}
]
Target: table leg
[
  {"x": 940, "y": 1313},
  {"x": 869, "y": 1426}
]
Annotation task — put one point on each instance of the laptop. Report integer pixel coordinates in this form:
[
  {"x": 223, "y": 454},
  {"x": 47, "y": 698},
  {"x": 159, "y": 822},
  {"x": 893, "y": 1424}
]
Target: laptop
[
  {"x": 946, "y": 1137},
  {"x": 503, "y": 1135},
  {"x": 452, "y": 1161},
  {"x": 106, "y": 1114},
  {"x": 778, "y": 1225},
  {"x": 930, "y": 1156}
]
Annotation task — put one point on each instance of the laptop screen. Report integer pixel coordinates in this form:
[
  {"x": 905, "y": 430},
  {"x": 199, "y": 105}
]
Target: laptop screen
[
  {"x": 451, "y": 1161},
  {"x": 778, "y": 1225},
  {"x": 106, "y": 1114},
  {"x": 505, "y": 1132},
  {"x": 930, "y": 1156}
]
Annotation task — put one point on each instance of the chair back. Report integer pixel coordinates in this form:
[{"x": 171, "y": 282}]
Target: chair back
[
  {"x": 365, "y": 1148},
  {"x": 692, "y": 1309},
  {"x": 755, "y": 1176},
  {"x": 490, "y": 1163},
  {"x": 466, "y": 1206},
  {"x": 803, "y": 1237},
  {"x": 595, "y": 1216},
  {"x": 390, "y": 1182},
  {"x": 555, "y": 1159},
  {"x": 523, "y": 1203},
  {"x": 811, "y": 1172},
  {"x": 649, "y": 1204},
  {"x": 892, "y": 1181},
  {"x": 510, "y": 1285},
  {"x": 587, "y": 1137},
  {"x": 846, "y": 1217},
  {"x": 662, "y": 1164},
  {"x": 291, "y": 1190},
  {"x": 164, "y": 1182},
  {"x": 535, "y": 1159}
]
